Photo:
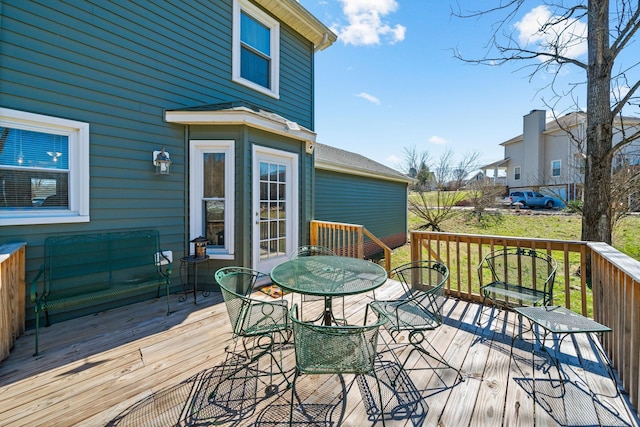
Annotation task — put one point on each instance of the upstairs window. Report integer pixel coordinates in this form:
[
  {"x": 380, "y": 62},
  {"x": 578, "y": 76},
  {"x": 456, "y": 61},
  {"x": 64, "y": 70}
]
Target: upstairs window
[
  {"x": 556, "y": 168},
  {"x": 256, "y": 47},
  {"x": 516, "y": 173},
  {"x": 44, "y": 173}
]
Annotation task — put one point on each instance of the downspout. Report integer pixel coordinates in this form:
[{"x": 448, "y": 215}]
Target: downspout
[
  {"x": 322, "y": 44},
  {"x": 187, "y": 173}
]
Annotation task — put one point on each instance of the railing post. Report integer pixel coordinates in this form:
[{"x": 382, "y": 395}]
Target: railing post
[{"x": 12, "y": 295}]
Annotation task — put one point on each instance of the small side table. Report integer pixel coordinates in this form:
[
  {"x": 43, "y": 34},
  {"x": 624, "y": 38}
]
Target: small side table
[
  {"x": 187, "y": 265},
  {"x": 563, "y": 322}
]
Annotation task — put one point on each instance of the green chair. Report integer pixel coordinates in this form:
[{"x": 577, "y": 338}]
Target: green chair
[
  {"x": 313, "y": 250},
  {"x": 343, "y": 349},
  {"x": 419, "y": 309},
  {"x": 262, "y": 322},
  {"x": 516, "y": 277}
]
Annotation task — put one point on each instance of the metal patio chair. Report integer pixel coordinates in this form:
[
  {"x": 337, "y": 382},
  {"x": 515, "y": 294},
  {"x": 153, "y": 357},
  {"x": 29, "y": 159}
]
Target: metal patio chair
[
  {"x": 252, "y": 320},
  {"x": 516, "y": 277},
  {"x": 335, "y": 349},
  {"x": 419, "y": 309},
  {"x": 313, "y": 250}
]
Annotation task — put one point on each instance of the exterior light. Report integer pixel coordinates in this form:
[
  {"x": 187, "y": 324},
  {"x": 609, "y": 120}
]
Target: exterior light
[
  {"x": 162, "y": 162},
  {"x": 200, "y": 244}
]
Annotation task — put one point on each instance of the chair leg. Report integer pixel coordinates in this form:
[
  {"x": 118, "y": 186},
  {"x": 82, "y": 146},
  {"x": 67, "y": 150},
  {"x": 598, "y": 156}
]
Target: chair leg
[
  {"x": 380, "y": 397},
  {"x": 484, "y": 298},
  {"x": 416, "y": 338},
  {"x": 293, "y": 396},
  {"x": 250, "y": 357}
]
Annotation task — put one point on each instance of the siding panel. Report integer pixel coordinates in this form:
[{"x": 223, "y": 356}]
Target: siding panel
[
  {"x": 118, "y": 65},
  {"x": 381, "y": 206}
]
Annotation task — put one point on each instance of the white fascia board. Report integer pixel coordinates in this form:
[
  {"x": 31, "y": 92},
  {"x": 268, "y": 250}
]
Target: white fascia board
[
  {"x": 238, "y": 118},
  {"x": 359, "y": 172}
]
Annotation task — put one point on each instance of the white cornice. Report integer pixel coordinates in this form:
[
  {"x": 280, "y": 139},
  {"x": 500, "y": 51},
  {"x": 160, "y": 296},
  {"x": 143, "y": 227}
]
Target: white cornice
[
  {"x": 238, "y": 117},
  {"x": 301, "y": 20}
]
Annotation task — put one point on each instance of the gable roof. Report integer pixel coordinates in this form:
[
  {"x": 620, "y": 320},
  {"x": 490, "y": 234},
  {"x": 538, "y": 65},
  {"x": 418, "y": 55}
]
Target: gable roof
[{"x": 337, "y": 160}]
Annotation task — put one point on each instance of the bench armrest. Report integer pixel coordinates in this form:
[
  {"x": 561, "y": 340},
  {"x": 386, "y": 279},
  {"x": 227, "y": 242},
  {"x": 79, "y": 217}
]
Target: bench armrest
[
  {"x": 34, "y": 285},
  {"x": 166, "y": 273}
]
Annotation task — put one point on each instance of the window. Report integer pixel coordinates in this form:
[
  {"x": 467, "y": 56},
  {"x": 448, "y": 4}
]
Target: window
[
  {"x": 211, "y": 195},
  {"x": 44, "y": 169},
  {"x": 555, "y": 168},
  {"x": 256, "y": 48},
  {"x": 516, "y": 173}
]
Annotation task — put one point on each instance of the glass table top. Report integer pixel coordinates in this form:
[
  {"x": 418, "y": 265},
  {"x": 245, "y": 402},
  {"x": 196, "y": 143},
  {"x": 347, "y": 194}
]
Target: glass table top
[
  {"x": 328, "y": 275},
  {"x": 560, "y": 320}
]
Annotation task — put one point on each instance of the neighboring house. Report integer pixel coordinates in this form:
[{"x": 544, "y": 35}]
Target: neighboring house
[
  {"x": 91, "y": 91},
  {"x": 547, "y": 156},
  {"x": 353, "y": 189}
]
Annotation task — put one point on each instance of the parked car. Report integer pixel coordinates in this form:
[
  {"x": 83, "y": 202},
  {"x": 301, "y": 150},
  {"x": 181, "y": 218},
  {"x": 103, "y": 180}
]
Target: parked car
[{"x": 533, "y": 199}]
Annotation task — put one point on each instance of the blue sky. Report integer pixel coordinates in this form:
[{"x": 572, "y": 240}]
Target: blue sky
[{"x": 391, "y": 81}]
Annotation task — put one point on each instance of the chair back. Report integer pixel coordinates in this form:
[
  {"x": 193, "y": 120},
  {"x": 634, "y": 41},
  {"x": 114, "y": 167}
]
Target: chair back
[
  {"x": 248, "y": 316},
  {"x": 311, "y": 250},
  {"x": 520, "y": 266},
  {"x": 324, "y": 349},
  {"x": 423, "y": 282}
]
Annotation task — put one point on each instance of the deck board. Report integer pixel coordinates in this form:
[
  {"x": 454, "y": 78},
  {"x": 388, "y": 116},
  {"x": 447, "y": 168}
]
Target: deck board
[{"x": 137, "y": 364}]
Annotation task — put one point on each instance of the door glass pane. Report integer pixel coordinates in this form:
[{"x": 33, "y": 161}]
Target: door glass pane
[{"x": 273, "y": 226}]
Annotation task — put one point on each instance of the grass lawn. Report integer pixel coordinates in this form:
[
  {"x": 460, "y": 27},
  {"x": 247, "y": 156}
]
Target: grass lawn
[{"x": 536, "y": 224}]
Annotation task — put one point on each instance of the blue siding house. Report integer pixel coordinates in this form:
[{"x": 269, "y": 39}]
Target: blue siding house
[
  {"x": 92, "y": 91},
  {"x": 354, "y": 189}
]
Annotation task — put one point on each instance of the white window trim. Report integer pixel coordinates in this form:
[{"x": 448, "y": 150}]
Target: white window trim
[
  {"x": 274, "y": 26},
  {"x": 78, "y": 134},
  {"x": 196, "y": 189},
  {"x": 552, "y": 168},
  {"x": 514, "y": 173}
]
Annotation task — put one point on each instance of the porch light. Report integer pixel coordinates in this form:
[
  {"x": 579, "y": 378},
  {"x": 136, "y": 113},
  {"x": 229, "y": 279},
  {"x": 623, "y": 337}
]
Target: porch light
[
  {"x": 200, "y": 244},
  {"x": 162, "y": 162}
]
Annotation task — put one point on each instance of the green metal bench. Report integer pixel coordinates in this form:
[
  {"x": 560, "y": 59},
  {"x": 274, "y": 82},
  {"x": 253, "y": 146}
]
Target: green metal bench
[{"x": 88, "y": 268}]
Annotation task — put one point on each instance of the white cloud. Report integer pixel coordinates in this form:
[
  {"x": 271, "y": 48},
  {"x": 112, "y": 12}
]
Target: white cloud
[
  {"x": 366, "y": 25},
  {"x": 369, "y": 98},
  {"x": 437, "y": 140},
  {"x": 394, "y": 161},
  {"x": 571, "y": 33}
]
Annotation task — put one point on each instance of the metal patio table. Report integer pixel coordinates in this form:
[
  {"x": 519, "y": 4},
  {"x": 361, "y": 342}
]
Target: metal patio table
[
  {"x": 328, "y": 277},
  {"x": 564, "y": 322}
]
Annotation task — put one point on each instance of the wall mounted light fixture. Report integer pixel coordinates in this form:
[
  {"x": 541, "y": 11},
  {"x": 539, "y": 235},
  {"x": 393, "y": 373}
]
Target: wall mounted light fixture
[{"x": 162, "y": 162}]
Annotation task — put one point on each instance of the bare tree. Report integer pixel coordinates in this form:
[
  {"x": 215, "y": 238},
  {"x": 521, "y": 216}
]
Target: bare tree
[
  {"x": 434, "y": 207},
  {"x": 610, "y": 32},
  {"x": 416, "y": 165}
]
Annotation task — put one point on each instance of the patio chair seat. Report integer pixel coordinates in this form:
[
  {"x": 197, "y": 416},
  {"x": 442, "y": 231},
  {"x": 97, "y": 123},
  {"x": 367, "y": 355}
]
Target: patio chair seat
[
  {"x": 419, "y": 309},
  {"x": 516, "y": 277},
  {"x": 340, "y": 349},
  {"x": 264, "y": 322}
]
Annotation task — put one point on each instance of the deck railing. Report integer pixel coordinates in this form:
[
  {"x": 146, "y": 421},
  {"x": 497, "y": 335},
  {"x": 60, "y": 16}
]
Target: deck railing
[
  {"x": 612, "y": 298},
  {"x": 346, "y": 239},
  {"x": 12, "y": 295},
  {"x": 616, "y": 302}
]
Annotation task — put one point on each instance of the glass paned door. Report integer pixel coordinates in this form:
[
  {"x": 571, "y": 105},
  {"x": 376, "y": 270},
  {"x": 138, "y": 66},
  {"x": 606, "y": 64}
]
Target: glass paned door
[{"x": 275, "y": 207}]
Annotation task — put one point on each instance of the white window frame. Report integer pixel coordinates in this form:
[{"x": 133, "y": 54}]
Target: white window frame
[
  {"x": 197, "y": 148},
  {"x": 78, "y": 137},
  {"x": 553, "y": 175},
  {"x": 274, "y": 27},
  {"x": 517, "y": 173}
]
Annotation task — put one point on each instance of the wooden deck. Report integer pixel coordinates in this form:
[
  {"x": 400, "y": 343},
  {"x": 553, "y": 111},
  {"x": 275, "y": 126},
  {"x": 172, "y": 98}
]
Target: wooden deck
[{"x": 136, "y": 366}]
